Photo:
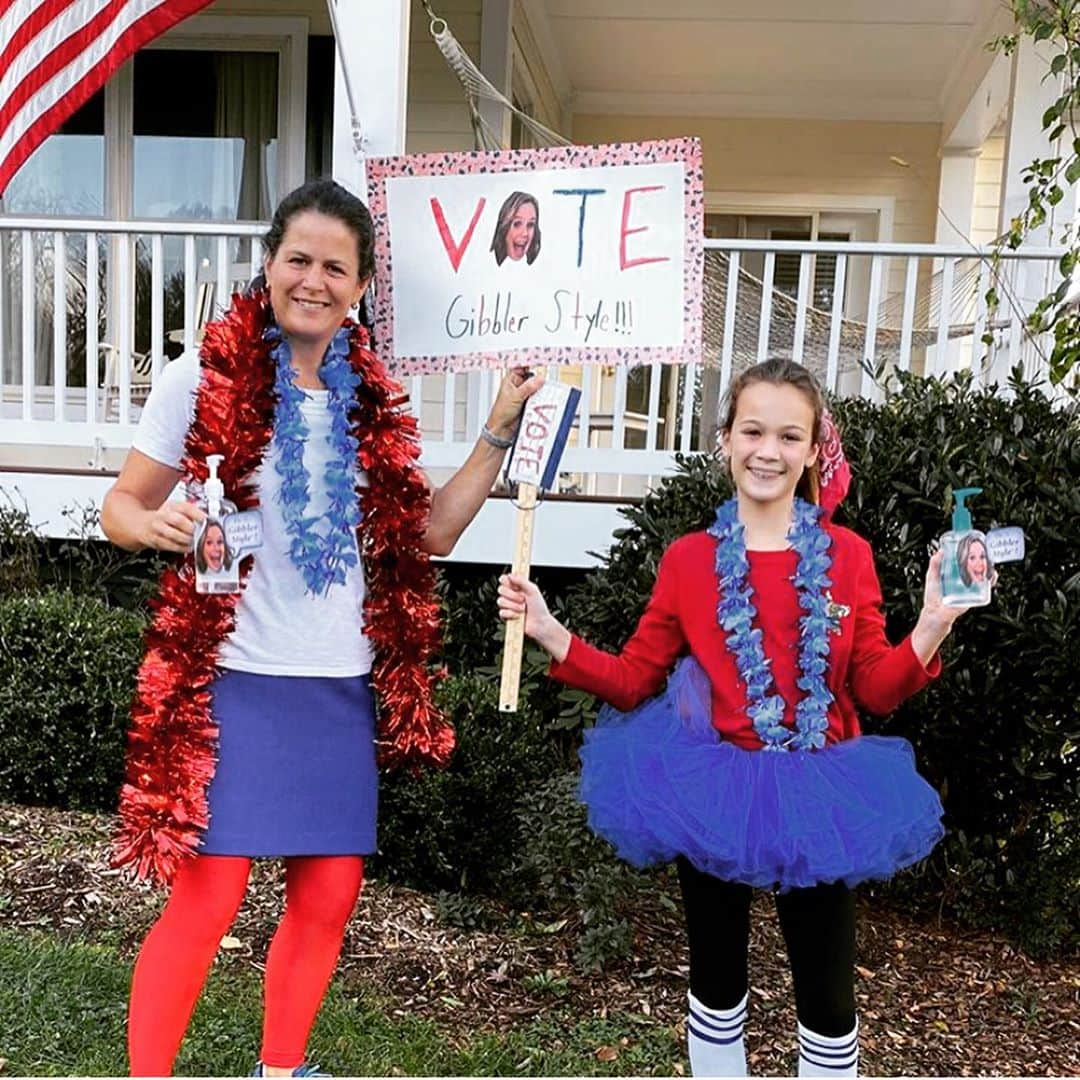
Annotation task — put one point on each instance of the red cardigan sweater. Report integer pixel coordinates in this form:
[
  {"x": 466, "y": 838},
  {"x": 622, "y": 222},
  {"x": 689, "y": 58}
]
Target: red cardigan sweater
[{"x": 864, "y": 669}]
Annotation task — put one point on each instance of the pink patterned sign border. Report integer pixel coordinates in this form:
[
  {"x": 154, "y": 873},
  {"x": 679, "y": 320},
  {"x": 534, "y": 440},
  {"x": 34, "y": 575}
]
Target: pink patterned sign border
[{"x": 686, "y": 150}]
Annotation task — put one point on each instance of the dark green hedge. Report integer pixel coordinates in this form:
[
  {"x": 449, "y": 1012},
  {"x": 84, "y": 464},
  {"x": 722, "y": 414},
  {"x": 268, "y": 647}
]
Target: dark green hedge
[
  {"x": 67, "y": 675},
  {"x": 999, "y": 733},
  {"x": 454, "y": 828}
]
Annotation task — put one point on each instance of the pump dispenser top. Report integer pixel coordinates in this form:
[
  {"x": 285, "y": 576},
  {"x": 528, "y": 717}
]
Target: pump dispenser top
[
  {"x": 961, "y": 515},
  {"x": 214, "y": 489}
]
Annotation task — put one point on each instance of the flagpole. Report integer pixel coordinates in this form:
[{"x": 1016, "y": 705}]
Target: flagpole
[
  {"x": 339, "y": 45},
  {"x": 371, "y": 41}
]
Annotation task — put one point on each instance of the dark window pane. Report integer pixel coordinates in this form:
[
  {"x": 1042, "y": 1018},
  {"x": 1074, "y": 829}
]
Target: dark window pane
[
  {"x": 205, "y": 134},
  {"x": 320, "y": 107}
]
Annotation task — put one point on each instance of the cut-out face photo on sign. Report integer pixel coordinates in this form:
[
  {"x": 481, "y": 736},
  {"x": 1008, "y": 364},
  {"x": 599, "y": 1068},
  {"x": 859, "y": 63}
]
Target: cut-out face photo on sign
[{"x": 517, "y": 231}]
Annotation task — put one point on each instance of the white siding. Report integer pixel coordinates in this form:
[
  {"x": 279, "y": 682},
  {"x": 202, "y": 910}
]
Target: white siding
[{"x": 438, "y": 118}]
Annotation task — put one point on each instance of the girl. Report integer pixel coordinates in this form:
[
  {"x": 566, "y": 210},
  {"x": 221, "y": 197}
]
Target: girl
[
  {"x": 749, "y": 769},
  {"x": 254, "y": 726}
]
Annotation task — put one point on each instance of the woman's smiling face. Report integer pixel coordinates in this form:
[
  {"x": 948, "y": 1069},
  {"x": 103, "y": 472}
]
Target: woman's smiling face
[
  {"x": 214, "y": 547},
  {"x": 520, "y": 231},
  {"x": 976, "y": 563},
  {"x": 313, "y": 277}
]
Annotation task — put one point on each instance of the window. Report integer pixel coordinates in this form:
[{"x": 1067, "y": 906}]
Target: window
[
  {"x": 66, "y": 173},
  {"x": 521, "y": 138},
  {"x": 797, "y": 227},
  {"x": 206, "y": 123},
  {"x": 786, "y": 273},
  {"x": 211, "y": 152}
]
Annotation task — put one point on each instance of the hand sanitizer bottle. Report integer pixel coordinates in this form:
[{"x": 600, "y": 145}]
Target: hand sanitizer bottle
[
  {"x": 216, "y": 567},
  {"x": 966, "y": 570}
]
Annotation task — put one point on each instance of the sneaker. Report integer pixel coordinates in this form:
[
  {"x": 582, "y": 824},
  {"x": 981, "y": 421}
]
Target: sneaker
[{"x": 301, "y": 1070}]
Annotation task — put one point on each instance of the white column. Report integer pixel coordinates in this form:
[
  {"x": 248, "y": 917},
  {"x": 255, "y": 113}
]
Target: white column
[
  {"x": 373, "y": 48},
  {"x": 496, "y": 62},
  {"x": 956, "y": 209},
  {"x": 1031, "y": 94},
  {"x": 956, "y": 194}
]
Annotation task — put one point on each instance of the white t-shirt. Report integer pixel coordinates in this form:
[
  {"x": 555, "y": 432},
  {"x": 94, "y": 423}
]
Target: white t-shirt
[{"x": 281, "y": 629}]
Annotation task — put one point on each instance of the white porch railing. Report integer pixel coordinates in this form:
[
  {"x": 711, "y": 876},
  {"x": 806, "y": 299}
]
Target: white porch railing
[{"x": 90, "y": 309}]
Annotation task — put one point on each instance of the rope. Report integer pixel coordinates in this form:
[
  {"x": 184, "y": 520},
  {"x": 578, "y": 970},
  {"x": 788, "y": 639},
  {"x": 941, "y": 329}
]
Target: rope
[{"x": 477, "y": 86}]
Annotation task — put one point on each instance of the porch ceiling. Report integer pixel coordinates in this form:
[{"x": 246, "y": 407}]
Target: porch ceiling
[{"x": 827, "y": 59}]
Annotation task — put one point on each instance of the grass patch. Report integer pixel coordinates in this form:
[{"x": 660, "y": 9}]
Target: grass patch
[{"x": 65, "y": 1005}]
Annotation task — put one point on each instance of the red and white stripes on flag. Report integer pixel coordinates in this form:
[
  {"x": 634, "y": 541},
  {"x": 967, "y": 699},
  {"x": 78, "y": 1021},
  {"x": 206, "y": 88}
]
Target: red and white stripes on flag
[{"x": 54, "y": 54}]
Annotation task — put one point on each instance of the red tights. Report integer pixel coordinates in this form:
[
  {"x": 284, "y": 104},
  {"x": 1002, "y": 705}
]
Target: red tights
[{"x": 320, "y": 894}]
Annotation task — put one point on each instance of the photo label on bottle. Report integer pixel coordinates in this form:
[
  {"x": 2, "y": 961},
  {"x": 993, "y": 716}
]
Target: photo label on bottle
[{"x": 217, "y": 566}]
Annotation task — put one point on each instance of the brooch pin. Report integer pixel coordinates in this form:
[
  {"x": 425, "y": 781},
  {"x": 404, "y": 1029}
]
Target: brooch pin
[{"x": 834, "y": 612}]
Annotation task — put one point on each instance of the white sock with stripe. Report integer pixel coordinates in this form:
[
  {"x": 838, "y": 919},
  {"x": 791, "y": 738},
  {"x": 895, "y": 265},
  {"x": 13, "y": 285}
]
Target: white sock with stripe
[
  {"x": 820, "y": 1055},
  {"x": 715, "y": 1039}
]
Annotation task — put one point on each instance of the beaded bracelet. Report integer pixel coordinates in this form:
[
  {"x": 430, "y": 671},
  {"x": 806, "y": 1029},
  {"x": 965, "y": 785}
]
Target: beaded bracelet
[{"x": 497, "y": 441}]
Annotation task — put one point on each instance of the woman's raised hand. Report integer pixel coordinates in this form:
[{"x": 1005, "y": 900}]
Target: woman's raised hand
[
  {"x": 520, "y": 598},
  {"x": 516, "y": 387}
]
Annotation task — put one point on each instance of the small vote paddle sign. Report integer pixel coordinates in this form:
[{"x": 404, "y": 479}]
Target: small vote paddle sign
[{"x": 533, "y": 467}]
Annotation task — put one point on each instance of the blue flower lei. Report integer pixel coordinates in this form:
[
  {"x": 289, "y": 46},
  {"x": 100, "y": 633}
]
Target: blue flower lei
[
  {"x": 736, "y": 614},
  {"x": 322, "y": 557}
]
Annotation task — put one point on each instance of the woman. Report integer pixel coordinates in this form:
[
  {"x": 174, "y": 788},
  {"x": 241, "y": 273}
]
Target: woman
[
  {"x": 253, "y": 729},
  {"x": 750, "y": 769},
  {"x": 974, "y": 562},
  {"x": 517, "y": 231},
  {"x": 212, "y": 554}
]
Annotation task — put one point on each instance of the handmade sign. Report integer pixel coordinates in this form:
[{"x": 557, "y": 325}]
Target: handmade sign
[
  {"x": 582, "y": 254},
  {"x": 533, "y": 467},
  {"x": 1005, "y": 544}
]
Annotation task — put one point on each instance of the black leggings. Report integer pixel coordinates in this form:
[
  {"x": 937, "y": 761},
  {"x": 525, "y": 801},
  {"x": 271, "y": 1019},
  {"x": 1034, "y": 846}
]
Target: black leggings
[{"x": 819, "y": 929}]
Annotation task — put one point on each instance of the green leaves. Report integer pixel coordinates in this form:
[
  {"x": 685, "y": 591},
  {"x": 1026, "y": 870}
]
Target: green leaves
[
  {"x": 67, "y": 673},
  {"x": 1057, "y": 22}
]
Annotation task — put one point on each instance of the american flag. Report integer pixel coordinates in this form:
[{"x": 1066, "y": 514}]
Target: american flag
[{"x": 54, "y": 54}]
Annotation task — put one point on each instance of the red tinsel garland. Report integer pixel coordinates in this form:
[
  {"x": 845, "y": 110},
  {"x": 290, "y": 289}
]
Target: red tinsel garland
[{"x": 173, "y": 738}]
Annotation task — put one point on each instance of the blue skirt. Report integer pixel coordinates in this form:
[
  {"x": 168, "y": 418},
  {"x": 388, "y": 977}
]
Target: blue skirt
[
  {"x": 659, "y": 782},
  {"x": 296, "y": 771}
]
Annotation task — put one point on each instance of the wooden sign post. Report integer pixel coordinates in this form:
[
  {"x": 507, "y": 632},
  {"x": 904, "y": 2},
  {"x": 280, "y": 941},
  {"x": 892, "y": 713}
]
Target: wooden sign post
[
  {"x": 514, "y": 643},
  {"x": 533, "y": 467}
]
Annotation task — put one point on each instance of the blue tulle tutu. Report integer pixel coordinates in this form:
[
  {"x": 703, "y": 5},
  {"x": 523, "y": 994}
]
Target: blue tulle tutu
[{"x": 659, "y": 782}]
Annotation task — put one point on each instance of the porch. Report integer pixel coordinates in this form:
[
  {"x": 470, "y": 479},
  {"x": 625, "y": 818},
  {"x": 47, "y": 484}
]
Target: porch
[{"x": 92, "y": 310}]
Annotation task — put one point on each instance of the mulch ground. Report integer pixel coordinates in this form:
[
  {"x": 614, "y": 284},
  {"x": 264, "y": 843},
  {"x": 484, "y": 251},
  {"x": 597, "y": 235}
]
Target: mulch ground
[{"x": 933, "y": 1000}]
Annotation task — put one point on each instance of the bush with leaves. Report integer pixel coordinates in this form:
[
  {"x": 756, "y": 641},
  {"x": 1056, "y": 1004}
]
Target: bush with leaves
[
  {"x": 81, "y": 562},
  {"x": 473, "y": 640},
  {"x": 67, "y": 673},
  {"x": 563, "y": 864},
  {"x": 449, "y": 828},
  {"x": 999, "y": 733}
]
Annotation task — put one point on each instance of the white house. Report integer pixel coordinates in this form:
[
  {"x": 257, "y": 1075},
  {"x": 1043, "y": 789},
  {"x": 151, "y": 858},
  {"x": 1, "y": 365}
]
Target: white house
[{"x": 857, "y": 158}]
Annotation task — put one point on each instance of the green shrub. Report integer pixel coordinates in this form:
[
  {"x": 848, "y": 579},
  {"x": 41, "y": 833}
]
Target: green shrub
[
  {"x": 999, "y": 733},
  {"x": 562, "y": 864},
  {"x": 451, "y": 828},
  {"x": 473, "y": 640},
  {"x": 81, "y": 563},
  {"x": 20, "y": 548},
  {"x": 67, "y": 674}
]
